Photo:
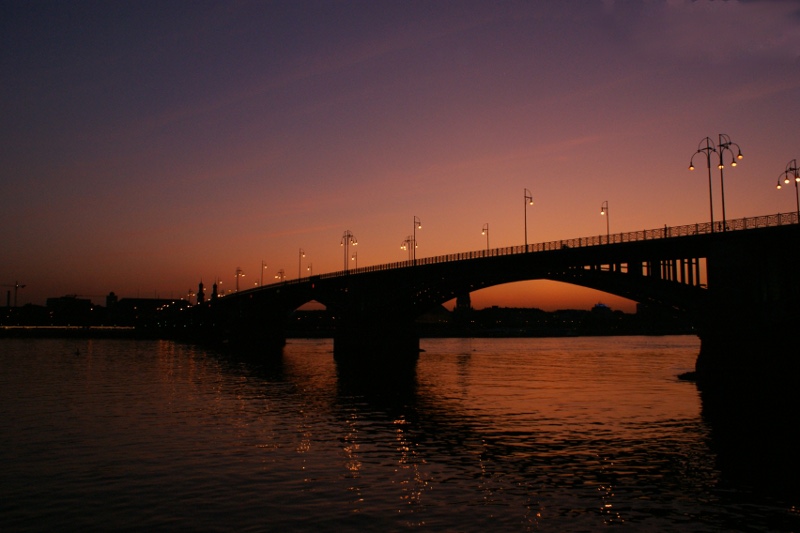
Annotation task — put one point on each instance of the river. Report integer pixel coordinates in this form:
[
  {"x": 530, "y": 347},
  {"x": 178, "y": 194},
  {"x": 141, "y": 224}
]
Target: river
[{"x": 574, "y": 434}]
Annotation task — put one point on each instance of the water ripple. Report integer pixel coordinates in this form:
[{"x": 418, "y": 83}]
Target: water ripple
[{"x": 500, "y": 434}]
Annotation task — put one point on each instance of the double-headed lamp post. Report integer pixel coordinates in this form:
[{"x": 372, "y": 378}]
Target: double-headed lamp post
[
  {"x": 417, "y": 225},
  {"x": 239, "y": 274},
  {"x": 408, "y": 244},
  {"x": 604, "y": 212},
  {"x": 725, "y": 144},
  {"x": 485, "y": 231},
  {"x": 300, "y": 257},
  {"x": 347, "y": 239},
  {"x": 528, "y": 201},
  {"x": 281, "y": 275},
  {"x": 706, "y": 146},
  {"x": 792, "y": 172}
]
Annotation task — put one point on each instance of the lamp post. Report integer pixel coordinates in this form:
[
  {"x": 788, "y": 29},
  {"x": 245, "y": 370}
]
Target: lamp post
[
  {"x": 706, "y": 146},
  {"x": 239, "y": 274},
  {"x": 485, "y": 231},
  {"x": 417, "y": 225},
  {"x": 528, "y": 201},
  {"x": 263, "y": 268},
  {"x": 792, "y": 172},
  {"x": 347, "y": 239},
  {"x": 354, "y": 257},
  {"x": 724, "y": 145},
  {"x": 281, "y": 275},
  {"x": 300, "y": 257},
  {"x": 310, "y": 269},
  {"x": 604, "y": 212},
  {"x": 408, "y": 244}
]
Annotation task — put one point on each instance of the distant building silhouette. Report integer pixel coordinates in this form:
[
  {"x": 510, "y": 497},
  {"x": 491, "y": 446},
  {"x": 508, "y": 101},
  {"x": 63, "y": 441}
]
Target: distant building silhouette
[
  {"x": 70, "y": 310},
  {"x": 201, "y": 295},
  {"x": 111, "y": 301}
]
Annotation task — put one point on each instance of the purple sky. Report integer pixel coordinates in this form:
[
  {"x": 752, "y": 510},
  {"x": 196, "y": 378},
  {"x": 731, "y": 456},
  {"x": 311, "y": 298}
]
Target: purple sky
[{"x": 148, "y": 145}]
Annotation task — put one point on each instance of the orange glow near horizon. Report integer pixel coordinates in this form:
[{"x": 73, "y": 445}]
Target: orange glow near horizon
[
  {"x": 542, "y": 294},
  {"x": 545, "y": 295}
]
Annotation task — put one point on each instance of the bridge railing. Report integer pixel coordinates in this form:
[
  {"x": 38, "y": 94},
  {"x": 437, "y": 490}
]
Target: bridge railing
[{"x": 780, "y": 219}]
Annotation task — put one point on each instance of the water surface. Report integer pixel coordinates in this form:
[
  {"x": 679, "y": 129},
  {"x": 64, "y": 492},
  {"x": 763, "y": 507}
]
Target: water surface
[{"x": 502, "y": 434}]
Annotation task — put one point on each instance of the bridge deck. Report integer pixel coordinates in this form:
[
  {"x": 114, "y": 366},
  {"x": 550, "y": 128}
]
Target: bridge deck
[{"x": 667, "y": 232}]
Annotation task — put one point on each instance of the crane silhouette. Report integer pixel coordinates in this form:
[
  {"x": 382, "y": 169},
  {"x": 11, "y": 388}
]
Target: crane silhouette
[{"x": 16, "y": 287}]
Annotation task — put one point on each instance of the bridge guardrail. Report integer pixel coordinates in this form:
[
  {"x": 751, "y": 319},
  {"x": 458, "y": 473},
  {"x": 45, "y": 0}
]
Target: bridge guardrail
[{"x": 780, "y": 219}]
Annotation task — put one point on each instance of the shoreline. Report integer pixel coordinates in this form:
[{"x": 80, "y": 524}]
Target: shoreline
[
  {"x": 50, "y": 332},
  {"x": 130, "y": 332}
]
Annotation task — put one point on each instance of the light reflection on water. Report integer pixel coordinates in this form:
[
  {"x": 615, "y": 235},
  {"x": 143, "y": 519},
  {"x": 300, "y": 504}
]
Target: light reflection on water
[{"x": 500, "y": 434}]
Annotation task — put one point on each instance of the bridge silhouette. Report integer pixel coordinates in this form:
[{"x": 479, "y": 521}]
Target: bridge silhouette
[{"x": 737, "y": 284}]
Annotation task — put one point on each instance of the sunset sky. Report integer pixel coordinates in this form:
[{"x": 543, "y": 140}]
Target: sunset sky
[{"x": 147, "y": 145}]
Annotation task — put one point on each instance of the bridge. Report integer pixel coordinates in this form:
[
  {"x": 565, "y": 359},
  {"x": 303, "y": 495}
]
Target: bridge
[{"x": 737, "y": 284}]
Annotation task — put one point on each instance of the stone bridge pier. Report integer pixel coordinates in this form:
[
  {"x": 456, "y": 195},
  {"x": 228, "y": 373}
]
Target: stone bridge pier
[
  {"x": 376, "y": 342},
  {"x": 375, "y": 324},
  {"x": 749, "y": 325}
]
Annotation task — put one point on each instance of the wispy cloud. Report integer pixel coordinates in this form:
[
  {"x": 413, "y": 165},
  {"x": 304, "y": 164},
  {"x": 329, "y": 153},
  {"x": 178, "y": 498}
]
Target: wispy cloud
[
  {"x": 760, "y": 89},
  {"x": 718, "y": 32}
]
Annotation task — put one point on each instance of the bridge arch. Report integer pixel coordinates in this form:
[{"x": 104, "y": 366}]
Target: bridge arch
[
  {"x": 673, "y": 295},
  {"x": 544, "y": 294}
]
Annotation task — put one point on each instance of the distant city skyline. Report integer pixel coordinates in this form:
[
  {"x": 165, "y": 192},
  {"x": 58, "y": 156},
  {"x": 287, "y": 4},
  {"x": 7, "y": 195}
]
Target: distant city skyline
[{"x": 146, "y": 147}]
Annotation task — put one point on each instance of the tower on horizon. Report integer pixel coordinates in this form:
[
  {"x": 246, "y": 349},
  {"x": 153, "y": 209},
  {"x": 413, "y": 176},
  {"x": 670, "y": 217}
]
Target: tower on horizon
[{"x": 201, "y": 295}]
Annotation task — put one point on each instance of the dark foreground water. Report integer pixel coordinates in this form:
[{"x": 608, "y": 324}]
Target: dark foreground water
[{"x": 486, "y": 435}]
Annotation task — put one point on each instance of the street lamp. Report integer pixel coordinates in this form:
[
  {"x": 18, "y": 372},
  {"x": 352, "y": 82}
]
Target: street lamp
[
  {"x": 528, "y": 201},
  {"x": 354, "y": 257},
  {"x": 725, "y": 144},
  {"x": 706, "y": 146},
  {"x": 417, "y": 225},
  {"x": 310, "y": 269},
  {"x": 408, "y": 244},
  {"x": 281, "y": 275},
  {"x": 239, "y": 274},
  {"x": 604, "y": 212},
  {"x": 263, "y": 268},
  {"x": 347, "y": 239},
  {"x": 485, "y": 231},
  {"x": 301, "y": 255},
  {"x": 792, "y": 171}
]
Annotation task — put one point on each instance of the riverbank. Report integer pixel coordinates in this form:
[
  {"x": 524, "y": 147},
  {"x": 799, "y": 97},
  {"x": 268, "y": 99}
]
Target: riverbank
[{"x": 80, "y": 332}]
